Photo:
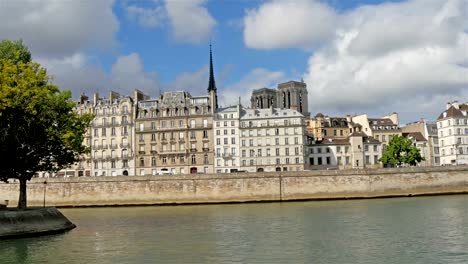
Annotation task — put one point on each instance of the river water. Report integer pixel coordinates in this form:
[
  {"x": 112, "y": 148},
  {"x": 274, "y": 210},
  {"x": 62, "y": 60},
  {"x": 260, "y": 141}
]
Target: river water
[{"x": 401, "y": 230}]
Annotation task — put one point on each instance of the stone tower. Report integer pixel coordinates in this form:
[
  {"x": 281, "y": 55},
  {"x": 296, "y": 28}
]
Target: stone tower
[{"x": 293, "y": 95}]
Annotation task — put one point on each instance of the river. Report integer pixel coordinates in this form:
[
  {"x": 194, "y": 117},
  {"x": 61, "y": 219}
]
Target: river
[{"x": 400, "y": 230}]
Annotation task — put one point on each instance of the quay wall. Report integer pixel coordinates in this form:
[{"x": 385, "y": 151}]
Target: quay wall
[{"x": 240, "y": 187}]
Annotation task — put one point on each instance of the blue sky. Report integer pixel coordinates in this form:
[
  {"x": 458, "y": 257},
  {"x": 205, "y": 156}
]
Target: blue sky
[{"x": 356, "y": 56}]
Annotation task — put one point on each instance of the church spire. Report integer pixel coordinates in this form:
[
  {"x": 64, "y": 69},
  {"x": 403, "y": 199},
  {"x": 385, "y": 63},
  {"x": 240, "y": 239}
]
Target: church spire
[{"x": 211, "y": 83}]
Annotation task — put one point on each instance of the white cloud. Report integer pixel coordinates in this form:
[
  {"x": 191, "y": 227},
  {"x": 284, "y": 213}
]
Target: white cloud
[
  {"x": 255, "y": 79},
  {"x": 128, "y": 74},
  {"x": 78, "y": 74},
  {"x": 59, "y": 28},
  {"x": 377, "y": 58},
  {"x": 146, "y": 17},
  {"x": 194, "y": 82},
  {"x": 191, "y": 22},
  {"x": 283, "y": 24}
]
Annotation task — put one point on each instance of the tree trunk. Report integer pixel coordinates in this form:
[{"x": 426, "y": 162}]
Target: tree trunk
[{"x": 22, "y": 202}]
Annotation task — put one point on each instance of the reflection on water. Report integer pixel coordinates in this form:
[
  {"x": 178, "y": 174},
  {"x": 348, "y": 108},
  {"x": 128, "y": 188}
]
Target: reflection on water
[{"x": 406, "y": 230}]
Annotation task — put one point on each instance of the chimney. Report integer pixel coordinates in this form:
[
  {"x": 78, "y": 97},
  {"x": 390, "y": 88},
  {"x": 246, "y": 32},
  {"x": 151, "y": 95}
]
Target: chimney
[
  {"x": 456, "y": 104},
  {"x": 448, "y": 106},
  {"x": 96, "y": 98}
]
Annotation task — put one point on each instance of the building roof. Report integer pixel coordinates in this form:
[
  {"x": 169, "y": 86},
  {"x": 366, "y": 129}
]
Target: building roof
[
  {"x": 453, "y": 112},
  {"x": 269, "y": 113},
  {"x": 381, "y": 121},
  {"x": 416, "y": 135}
]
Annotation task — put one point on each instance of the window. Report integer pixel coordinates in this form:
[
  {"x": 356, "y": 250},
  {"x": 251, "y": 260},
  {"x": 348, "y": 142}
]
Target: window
[
  {"x": 153, "y": 161},
  {"x": 319, "y": 161},
  {"x": 233, "y": 140},
  {"x": 311, "y": 161},
  {"x": 205, "y": 159},
  {"x": 103, "y": 131},
  {"x": 328, "y": 161},
  {"x": 338, "y": 160},
  {"x": 205, "y": 134},
  {"x": 194, "y": 160},
  {"x": 226, "y": 141},
  {"x": 243, "y": 153},
  {"x": 367, "y": 159},
  {"x": 142, "y": 162},
  {"x": 277, "y": 151},
  {"x": 287, "y": 151},
  {"x": 164, "y": 160}
]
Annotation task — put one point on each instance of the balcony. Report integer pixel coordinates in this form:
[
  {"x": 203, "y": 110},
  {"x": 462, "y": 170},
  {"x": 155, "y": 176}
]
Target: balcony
[
  {"x": 113, "y": 146},
  {"x": 153, "y": 152},
  {"x": 124, "y": 145},
  {"x": 205, "y": 139},
  {"x": 227, "y": 156},
  {"x": 127, "y": 156},
  {"x": 193, "y": 139},
  {"x": 141, "y": 152},
  {"x": 206, "y": 149},
  {"x": 193, "y": 150}
]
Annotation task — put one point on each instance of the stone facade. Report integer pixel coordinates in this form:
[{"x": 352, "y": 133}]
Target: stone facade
[{"x": 174, "y": 134}]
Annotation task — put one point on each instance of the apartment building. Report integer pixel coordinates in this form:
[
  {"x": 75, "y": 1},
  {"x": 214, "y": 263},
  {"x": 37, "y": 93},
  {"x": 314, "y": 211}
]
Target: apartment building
[
  {"x": 452, "y": 126},
  {"x": 382, "y": 129},
  {"x": 112, "y": 136},
  {"x": 226, "y": 139},
  {"x": 271, "y": 140}
]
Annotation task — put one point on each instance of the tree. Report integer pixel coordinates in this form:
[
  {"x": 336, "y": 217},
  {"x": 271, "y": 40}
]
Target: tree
[
  {"x": 400, "y": 150},
  {"x": 15, "y": 51},
  {"x": 39, "y": 130}
]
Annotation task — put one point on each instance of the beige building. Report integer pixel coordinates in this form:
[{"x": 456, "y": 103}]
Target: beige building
[
  {"x": 383, "y": 129},
  {"x": 425, "y": 138},
  {"x": 174, "y": 133},
  {"x": 321, "y": 127}
]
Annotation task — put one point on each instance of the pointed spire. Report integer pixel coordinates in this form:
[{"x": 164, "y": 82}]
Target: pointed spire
[{"x": 211, "y": 83}]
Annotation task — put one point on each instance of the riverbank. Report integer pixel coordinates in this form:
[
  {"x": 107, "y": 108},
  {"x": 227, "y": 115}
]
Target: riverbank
[
  {"x": 241, "y": 187},
  {"x": 32, "y": 222}
]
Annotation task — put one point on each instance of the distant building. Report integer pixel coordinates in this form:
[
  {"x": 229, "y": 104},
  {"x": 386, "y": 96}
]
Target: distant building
[
  {"x": 383, "y": 129},
  {"x": 289, "y": 95},
  {"x": 321, "y": 127},
  {"x": 453, "y": 134},
  {"x": 425, "y": 138}
]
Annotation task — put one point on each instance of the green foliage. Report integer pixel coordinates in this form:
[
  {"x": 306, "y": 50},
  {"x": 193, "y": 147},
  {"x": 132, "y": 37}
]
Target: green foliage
[
  {"x": 400, "y": 150},
  {"x": 39, "y": 129},
  {"x": 14, "y": 51}
]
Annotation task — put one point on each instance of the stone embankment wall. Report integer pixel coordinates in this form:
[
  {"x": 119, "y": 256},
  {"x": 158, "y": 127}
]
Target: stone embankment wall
[{"x": 241, "y": 187}]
